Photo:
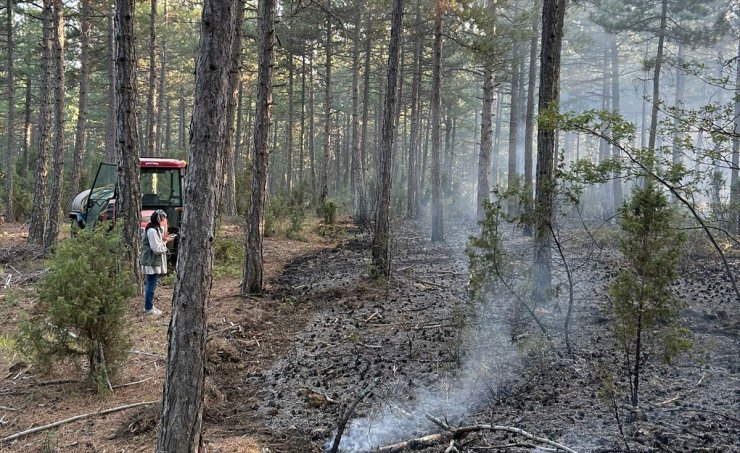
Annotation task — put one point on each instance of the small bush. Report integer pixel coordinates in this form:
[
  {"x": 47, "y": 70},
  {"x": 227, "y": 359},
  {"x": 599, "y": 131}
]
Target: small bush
[
  {"x": 81, "y": 306},
  {"x": 329, "y": 212},
  {"x": 228, "y": 257}
]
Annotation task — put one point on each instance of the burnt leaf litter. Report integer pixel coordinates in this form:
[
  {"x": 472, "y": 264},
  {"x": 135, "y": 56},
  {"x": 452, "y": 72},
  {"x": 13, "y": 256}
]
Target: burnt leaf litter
[
  {"x": 284, "y": 367},
  {"x": 425, "y": 349}
]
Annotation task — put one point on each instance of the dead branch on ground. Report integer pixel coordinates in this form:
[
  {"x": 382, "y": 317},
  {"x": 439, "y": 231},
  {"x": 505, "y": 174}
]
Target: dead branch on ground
[
  {"x": 460, "y": 432},
  {"x": 73, "y": 419},
  {"x": 348, "y": 413}
]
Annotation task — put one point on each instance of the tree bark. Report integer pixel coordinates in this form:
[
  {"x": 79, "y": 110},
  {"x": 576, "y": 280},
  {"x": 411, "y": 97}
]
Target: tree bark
[
  {"x": 734, "y": 180},
  {"x": 263, "y": 117},
  {"x": 436, "y": 107},
  {"x": 513, "y": 177},
  {"x": 128, "y": 192},
  {"x": 9, "y": 152},
  {"x": 182, "y": 401},
  {"x": 604, "y": 147},
  {"x": 311, "y": 131},
  {"x": 27, "y": 131},
  {"x": 232, "y": 142},
  {"x": 289, "y": 131},
  {"x": 302, "y": 132},
  {"x": 181, "y": 122},
  {"x": 529, "y": 125},
  {"x": 656, "y": 79},
  {"x": 366, "y": 96},
  {"x": 495, "y": 164},
  {"x": 617, "y": 176},
  {"x": 151, "y": 115},
  {"x": 553, "y": 16},
  {"x": 110, "y": 124},
  {"x": 161, "y": 97},
  {"x": 358, "y": 171},
  {"x": 327, "y": 115},
  {"x": 679, "y": 104},
  {"x": 380, "y": 259},
  {"x": 486, "y": 126},
  {"x": 81, "y": 130},
  {"x": 40, "y": 207},
  {"x": 413, "y": 200},
  {"x": 55, "y": 197}
]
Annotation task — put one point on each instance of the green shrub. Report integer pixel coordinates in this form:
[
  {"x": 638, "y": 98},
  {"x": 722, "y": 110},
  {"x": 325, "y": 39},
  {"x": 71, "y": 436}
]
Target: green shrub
[
  {"x": 646, "y": 311},
  {"x": 296, "y": 223},
  {"x": 228, "y": 257},
  {"x": 329, "y": 212},
  {"x": 80, "y": 313}
]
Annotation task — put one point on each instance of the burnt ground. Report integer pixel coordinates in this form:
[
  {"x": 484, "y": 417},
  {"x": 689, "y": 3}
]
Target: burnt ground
[{"x": 283, "y": 367}]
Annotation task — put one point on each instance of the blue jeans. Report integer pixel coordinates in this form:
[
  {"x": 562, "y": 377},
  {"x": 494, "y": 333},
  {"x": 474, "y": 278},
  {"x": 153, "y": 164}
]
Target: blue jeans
[{"x": 151, "y": 285}]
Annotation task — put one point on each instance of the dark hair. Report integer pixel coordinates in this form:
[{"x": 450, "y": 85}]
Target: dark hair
[{"x": 158, "y": 215}]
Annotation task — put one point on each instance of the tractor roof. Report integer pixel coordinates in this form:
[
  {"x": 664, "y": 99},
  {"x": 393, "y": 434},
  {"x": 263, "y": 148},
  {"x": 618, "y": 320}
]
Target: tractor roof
[{"x": 156, "y": 162}]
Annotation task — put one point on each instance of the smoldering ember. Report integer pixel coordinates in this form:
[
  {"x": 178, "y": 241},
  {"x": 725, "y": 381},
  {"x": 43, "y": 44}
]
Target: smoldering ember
[{"x": 370, "y": 227}]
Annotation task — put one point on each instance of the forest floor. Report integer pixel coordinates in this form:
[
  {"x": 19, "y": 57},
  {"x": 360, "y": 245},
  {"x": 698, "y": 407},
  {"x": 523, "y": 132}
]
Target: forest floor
[{"x": 283, "y": 367}]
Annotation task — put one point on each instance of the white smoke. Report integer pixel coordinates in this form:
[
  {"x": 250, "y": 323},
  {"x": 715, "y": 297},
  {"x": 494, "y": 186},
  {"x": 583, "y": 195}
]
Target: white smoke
[{"x": 490, "y": 363}]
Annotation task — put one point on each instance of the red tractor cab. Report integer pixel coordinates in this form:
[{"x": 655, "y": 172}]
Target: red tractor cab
[{"x": 161, "y": 188}]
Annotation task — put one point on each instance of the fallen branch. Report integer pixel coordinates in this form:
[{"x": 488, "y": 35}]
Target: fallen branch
[
  {"x": 348, "y": 413},
  {"x": 230, "y": 329},
  {"x": 73, "y": 419},
  {"x": 149, "y": 354},
  {"x": 131, "y": 383},
  {"x": 6, "y": 408},
  {"x": 457, "y": 433}
]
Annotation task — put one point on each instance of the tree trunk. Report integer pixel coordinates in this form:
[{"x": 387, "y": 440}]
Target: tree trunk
[
  {"x": 184, "y": 388},
  {"x": 553, "y": 15},
  {"x": 302, "y": 133},
  {"x": 448, "y": 157},
  {"x": 413, "y": 200},
  {"x": 358, "y": 171},
  {"x": 436, "y": 107},
  {"x": 9, "y": 152},
  {"x": 55, "y": 199},
  {"x": 162, "y": 85},
  {"x": 151, "y": 115},
  {"x": 381, "y": 262},
  {"x": 656, "y": 80},
  {"x": 513, "y": 177},
  {"x": 110, "y": 124},
  {"x": 678, "y": 136},
  {"x": 734, "y": 180},
  {"x": 167, "y": 142},
  {"x": 40, "y": 207},
  {"x": 366, "y": 100},
  {"x": 81, "y": 130},
  {"x": 529, "y": 125},
  {"x": 327, "y": 115},
  {"x": 229, "y": 186},
  {"x": 495, "y": 165},
  {"x": 128, "y": 201},
  {"x": 486, "y": 143},
  {"x": 181, "y": 123},
  {"x": 311, "y": 132},
  {"x": 289, "y": 131},
  {"x": 604, "y": 147},
  {"x": 27, "y": 131},
  {"x": 263, "y": 117},
  {"x": 616, "y": 154}
]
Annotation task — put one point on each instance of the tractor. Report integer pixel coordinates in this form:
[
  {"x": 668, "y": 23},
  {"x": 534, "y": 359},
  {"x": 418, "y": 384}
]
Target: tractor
[{"x": 161, "y": 188}]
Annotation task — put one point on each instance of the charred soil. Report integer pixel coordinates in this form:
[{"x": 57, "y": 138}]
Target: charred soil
[{"x": 284, "y": 366}]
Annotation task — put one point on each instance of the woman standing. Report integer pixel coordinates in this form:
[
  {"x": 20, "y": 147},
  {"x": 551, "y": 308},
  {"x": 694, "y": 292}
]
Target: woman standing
[{"x": 154, "y": 257}]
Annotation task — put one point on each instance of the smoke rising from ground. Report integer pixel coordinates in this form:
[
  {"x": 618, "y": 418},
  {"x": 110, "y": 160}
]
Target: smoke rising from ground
[{"x": 490, "y": 361}]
